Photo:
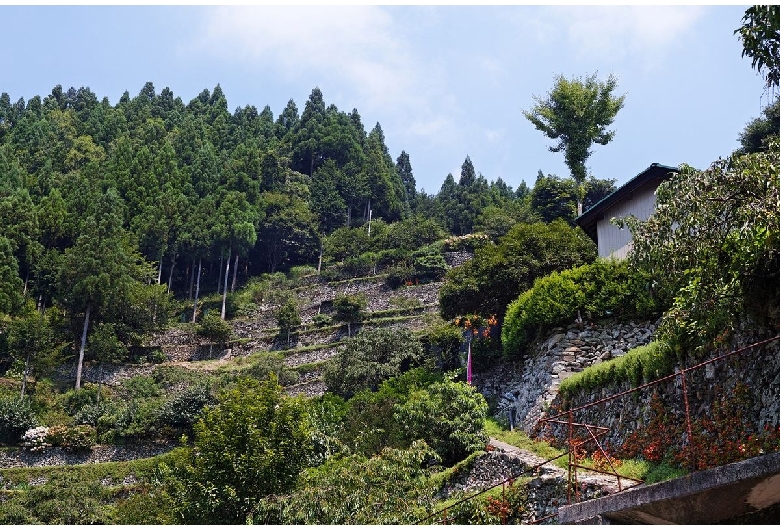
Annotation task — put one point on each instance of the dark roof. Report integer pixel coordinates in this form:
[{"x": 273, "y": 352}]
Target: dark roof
[{"x": 656, "y": 172}]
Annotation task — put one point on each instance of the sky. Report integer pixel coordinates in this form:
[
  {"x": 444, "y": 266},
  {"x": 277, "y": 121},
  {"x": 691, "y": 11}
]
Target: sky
[{"x": 444, "y": 82}]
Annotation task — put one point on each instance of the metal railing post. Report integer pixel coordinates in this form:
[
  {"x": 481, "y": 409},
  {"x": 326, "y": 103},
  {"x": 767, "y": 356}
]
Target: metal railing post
[{"x": 691, "y": 444}]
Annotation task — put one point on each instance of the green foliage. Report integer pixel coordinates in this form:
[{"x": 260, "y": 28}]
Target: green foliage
[
  {"x": 349, "y": 308},
  {"x": 603, "y": 288},
  {"x": 264, "y": 364},
  {"x": 442, "y": 342},
  {"x": 370, "y": 358},
  {"x": 85, "y": 494},
  {"x": 253, "y": 443},
  {"x": 389, "y": 488},
  {"x": 639, "y": 365},
  {"x": 757, "y": 133},
  {"x": 398, "y": 275},
  {"x": 449, "y": 416},
  {"x": 183, "y": 408},
  {"x": 430, "y": 266},
  {"x": 16, "y": 416},
  {"x": 321, "y": 320},
  {"x": 104, "y": 345},
  {"x": 554, "y": 198},
  {"x": 213, "y": 328},
  {"x": 287, "y": 316},
  {"x": 497, "y": 274},
  {"x": 576, "y": 114},
  {"x": 760, "y": 41},
  {"x": 713, "y": 245},
  {"x": 10, "y": 282},
  {"x": 62, "y": 500}
]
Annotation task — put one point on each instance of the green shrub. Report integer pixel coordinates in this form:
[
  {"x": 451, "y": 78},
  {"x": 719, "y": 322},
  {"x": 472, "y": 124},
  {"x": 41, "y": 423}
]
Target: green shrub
[
  {"x": 213, "y": 328},
  {"x": 141, "y": 386},
  {"x": 350, "y": 309},
  {"x": 499, "y": 273},
  {"x": 76, "y": 438},
  {"x": 182, "y": 410},
  {"x": 16, "y": 416},
  {"x": 91, "y": 413},
  {"x": 267, "y": 363},
  {"x": 603, "y": 288},
  {"x": 449, "y": 416},
  {"x": 370, "y": 358},
  {"x": 75, "y": 400},
  {"x": 321, "y": 320},
  {"x": 641, "y": 364},
  {"x": 157, "y": 357},
  {"x": 397, "y": 275},
  {"x": 430, "y": 267}
]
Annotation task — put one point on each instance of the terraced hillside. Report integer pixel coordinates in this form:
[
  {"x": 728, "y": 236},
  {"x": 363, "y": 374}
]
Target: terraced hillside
[{"x": 309, "y": 345}]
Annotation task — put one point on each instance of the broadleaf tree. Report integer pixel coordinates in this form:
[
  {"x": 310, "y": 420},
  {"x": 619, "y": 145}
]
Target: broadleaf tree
[{"x": 576, "y": 113}]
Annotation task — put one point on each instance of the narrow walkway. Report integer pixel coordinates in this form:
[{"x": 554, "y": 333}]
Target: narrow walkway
[{"x": 607, "y": 483}]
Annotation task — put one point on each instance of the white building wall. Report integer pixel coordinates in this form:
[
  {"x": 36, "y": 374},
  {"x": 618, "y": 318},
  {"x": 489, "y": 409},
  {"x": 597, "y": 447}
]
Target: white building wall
[{"x": 615, "y": 241}]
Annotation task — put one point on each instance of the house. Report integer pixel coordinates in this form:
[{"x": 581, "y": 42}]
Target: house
[{"x": 636, "y": 197}]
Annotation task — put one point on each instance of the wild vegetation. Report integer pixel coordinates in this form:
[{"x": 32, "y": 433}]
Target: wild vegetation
[{"x": 119, "y": 222}]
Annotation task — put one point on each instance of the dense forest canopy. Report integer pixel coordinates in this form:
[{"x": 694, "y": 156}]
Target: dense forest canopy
[{"x": 112, "y": 212}]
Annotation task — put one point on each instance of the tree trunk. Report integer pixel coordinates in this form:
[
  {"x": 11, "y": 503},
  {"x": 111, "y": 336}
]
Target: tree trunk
[
  {"x": 219, "y": 273},
  {"x": 190, "y": 275},
  {"x": 81, "y": 349},
  {"x": 235, "y": 273},
  {"x": 159, "y": 271},
  {"x": 197, "y": 291},
  {"x": 319, "y": 260},
  {"x": 170, "y": 276},
  {"x": 227, "y": 272},
  {"x": 26, "y": 371}
]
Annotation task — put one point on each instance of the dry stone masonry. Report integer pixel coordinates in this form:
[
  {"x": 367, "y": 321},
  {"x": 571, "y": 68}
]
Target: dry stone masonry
[{"x": 525, "y": 390}]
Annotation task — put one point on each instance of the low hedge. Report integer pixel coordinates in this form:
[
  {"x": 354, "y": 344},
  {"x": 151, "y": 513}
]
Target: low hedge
[
  {"x": 639, "y": 365},
  {"x": 600, "y": 289}
]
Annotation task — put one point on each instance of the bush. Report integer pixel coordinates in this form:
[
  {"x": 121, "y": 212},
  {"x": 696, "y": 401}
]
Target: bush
[
  {"x": 349, "y": 309},
  {"x": 157, "y": 357},
  {"x": 267, "y": 363},
  {"x": 641, "y": 364},
  {"x": 182, "y": 410},
  {"x": 449, "y": 416},
  {"x": 252, "y": 444},
  {"x": 16, "y": 416},
  {"x": 77, "y": 438},
  {"x": 603, "y": 288},
  {"x": 430, "y": 267},
  {"x": 321, "y": 320},
  {"x": 288, "y": 318},
  {"x": 370, "y": 358},
  {"x": 498, "y": 274},
  {"x": 397, "y": 275},
  {"x": 213, "y": 328}
]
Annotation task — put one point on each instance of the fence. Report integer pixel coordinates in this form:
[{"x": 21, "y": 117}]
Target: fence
[{"x": 592, "y": 433}]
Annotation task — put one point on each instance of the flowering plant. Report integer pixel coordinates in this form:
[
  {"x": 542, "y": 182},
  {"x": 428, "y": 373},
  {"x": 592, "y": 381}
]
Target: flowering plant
[{"x": 35, "y": 439}]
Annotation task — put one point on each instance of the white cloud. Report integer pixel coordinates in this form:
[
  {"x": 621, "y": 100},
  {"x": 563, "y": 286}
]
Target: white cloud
[
  {"x": 612, "y": 33},
  {"x": 361, "y": 52},
  {"x": 355, "y": 44}
]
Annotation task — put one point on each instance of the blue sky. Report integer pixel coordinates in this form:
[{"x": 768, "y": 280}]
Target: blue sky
[{"x": 444, "y": 82}]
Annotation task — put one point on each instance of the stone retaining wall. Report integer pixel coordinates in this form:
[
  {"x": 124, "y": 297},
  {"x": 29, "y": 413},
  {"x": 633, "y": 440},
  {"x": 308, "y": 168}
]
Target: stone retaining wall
[
  {"x": 57, "y": 456},
  {"x": 524, "y": 389},
  {"x": 757, "y": 369}
]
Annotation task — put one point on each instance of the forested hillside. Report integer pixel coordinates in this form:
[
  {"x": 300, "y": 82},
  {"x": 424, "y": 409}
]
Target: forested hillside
[{"x": 112, "y": 211}]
